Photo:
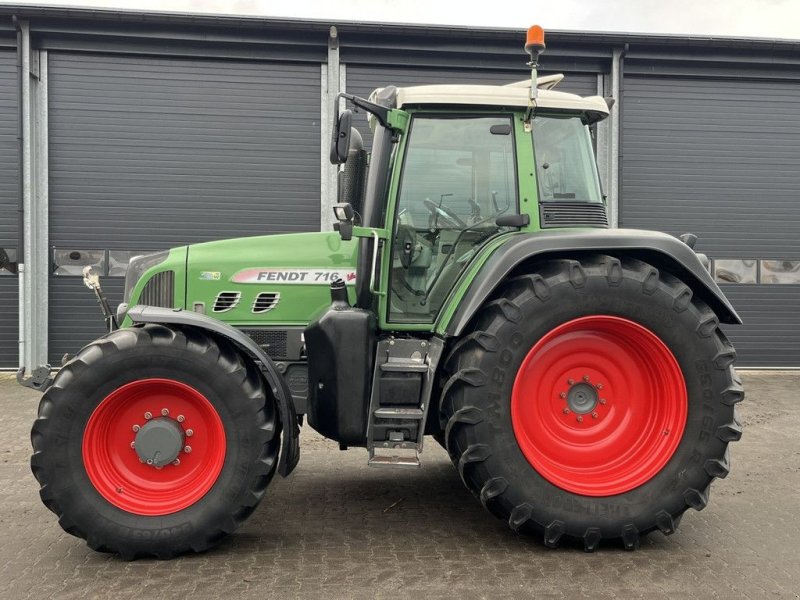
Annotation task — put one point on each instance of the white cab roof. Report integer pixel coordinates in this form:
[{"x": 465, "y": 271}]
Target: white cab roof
[{"x": 512, "y": 95}]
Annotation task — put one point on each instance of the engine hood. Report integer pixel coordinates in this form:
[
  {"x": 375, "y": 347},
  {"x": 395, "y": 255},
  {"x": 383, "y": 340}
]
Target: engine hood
[{"x": 274, "y": 279}]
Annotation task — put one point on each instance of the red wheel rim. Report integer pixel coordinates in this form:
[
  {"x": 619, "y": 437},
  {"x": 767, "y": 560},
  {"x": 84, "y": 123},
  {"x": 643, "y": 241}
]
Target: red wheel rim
[
  {"x": 114, "y": 467},
  {"x": 599, "y": 405}
]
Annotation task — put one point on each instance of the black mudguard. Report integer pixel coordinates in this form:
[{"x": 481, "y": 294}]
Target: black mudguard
[
  {"x": 659, "y": 249},
  {"x": 290, "y": 445}
]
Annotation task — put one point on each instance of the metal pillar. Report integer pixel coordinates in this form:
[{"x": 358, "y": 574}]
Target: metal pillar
[
  {"x": 614, "y": 126},
  {"x": 332, "y": 84},
  {"x": 602, "y": 142},
  {"x": 33, "y": 267}
]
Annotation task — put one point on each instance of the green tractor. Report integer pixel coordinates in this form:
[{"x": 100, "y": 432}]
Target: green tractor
[{"x": 471, "y": 291}]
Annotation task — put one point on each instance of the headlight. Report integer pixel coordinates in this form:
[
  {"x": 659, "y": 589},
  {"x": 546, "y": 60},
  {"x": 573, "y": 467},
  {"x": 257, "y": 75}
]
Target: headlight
[{"x": 137, "y": 266}]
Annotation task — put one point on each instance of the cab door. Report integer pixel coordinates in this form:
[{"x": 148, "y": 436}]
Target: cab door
[{"x": 458, "y": 175}]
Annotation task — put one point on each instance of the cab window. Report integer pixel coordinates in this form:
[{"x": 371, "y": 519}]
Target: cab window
[{"x": 565, "y": 162}]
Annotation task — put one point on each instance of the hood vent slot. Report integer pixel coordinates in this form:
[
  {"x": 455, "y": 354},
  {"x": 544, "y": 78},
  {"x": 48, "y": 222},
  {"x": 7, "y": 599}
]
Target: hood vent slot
[
  {"x": 559, "y": 213},
  {"x": 226, "y": 301},
  {"x": 266, "y": 301}
]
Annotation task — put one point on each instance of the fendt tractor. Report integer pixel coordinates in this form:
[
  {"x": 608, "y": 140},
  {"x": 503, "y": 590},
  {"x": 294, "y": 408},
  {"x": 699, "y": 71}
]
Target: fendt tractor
[{"x": 471, "y": 291}]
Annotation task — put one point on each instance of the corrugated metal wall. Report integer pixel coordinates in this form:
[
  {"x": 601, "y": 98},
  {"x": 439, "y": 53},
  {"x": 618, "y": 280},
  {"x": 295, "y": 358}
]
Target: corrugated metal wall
[
  {"x": 721, "y": 159},
  {"x": 9, "y": 206},
  {"x": 149, "y": 153}
]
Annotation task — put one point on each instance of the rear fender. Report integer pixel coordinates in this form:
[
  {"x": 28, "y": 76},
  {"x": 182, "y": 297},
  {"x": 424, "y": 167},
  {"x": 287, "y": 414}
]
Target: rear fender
[
  {"x": 290, "y": 445},
  {"x": 659, "y": 249}
]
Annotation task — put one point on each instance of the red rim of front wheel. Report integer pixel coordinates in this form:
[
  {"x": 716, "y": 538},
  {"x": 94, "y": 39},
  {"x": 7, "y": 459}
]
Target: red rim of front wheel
[
  {"x": 599, "y": 405},
  {"x": 118, "y": 472}
]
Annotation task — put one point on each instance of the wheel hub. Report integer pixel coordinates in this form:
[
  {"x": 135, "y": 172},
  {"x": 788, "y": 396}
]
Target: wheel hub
[
  {"x": 159, "y": 441},
  {"x": 582, "y": 398}
]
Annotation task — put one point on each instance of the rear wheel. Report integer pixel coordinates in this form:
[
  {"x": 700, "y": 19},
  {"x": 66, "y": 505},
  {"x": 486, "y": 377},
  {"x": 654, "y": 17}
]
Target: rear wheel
[
  {"x": 592, "y": 400},
  {"x": 154, "y": 442}
]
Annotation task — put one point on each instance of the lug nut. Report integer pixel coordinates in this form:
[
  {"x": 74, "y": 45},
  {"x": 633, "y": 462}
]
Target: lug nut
[
  {"x": 586, "y": 378},
  {"x": 141, "y": 460},
  {"x": 159, "y": 467},
  {"x": 189, "y": 433},
  {"x": 133, "y": 444},
  {"x": 579, "y": 418},
  {"x": 136, "y": 428},
  {"x": 187, "y": 449},
  {"x": 148, "y": 415},
  {"x": 594, "y": 415},
  {"x": 565, "y": 410},
  {"x": 563, "y": 394},
  {"x": 570, "y": 381},
  {"x": 176, "y": 462},
  {"x": 149, "y": 461},
  {"x": 602, "y": 400},
  {"x": 599, "y": 386},
  {"x": 181, "y": 418},
  {"x": 164, "y": 412}
]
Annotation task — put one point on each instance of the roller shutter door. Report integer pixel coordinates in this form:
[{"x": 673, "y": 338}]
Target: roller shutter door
[
  {"x": 9, "y": 205},
  {"x": 722, "y": 159},
  {"x": 361, "y": 80},
  {"x": 148, "y": 153}
]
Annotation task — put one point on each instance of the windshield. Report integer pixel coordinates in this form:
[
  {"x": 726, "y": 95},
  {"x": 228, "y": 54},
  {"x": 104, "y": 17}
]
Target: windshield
[
  {"x": 565, "y": 163},
  {"x": 458, "y": 176}
]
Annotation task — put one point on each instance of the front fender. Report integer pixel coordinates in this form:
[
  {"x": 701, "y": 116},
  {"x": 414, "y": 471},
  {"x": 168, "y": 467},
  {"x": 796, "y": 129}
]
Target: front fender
[
  {"x": 659, "y": 249},
  {"x": 290, "y": 445}
]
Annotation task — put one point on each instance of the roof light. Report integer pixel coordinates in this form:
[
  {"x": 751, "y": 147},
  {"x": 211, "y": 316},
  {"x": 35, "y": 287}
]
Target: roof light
[
  {"x": 535, "y": 40},
  {"x": 534, "y": 46}
]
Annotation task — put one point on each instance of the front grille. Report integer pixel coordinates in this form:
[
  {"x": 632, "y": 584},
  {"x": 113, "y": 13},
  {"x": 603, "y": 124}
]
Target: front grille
[
  {"x": 160, "y": 290},
  {"x": 273, "y": 341},
  {"x": 572, "y": 214},
  {"x": 266, "y": 301},
  {"x": 226, "y": 301}
]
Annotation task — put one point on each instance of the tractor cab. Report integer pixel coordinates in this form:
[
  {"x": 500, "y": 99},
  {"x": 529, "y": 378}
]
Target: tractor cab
[{"x": 454, "y": 166}]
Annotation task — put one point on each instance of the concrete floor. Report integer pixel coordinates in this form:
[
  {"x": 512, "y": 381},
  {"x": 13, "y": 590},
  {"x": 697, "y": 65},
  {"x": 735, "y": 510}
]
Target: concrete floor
[{"x": 338, "y": 529}]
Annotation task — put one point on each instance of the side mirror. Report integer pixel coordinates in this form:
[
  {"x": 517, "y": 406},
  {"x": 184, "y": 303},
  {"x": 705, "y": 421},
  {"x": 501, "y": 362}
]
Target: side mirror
[
  {"x": 344, "y": 215},
  {"x": 340, "y": 140}
]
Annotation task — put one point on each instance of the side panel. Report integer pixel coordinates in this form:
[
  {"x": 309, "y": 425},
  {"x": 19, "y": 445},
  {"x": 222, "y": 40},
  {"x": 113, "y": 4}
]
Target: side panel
[
  {"x": 659, "y": 249},
  {"x": 297, "y": 267},
  {"x": 9, "y": 208}
]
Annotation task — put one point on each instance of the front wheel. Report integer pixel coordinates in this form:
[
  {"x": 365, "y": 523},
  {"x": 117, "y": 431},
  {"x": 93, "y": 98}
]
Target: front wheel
[
  {"x": 155, "y": 441},
  {"x": 592, "y": 400}
]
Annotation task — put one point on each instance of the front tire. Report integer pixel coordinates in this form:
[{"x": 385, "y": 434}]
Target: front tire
[
  {"x": 592, "y": 400},
  {"x": 155, "y": 441}
]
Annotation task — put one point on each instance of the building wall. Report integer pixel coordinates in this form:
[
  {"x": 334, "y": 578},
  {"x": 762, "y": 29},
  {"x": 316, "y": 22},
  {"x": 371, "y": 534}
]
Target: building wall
[{"x": 166, "y": 131}]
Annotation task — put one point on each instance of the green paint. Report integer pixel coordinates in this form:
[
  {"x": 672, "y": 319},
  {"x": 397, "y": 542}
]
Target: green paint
[{"x": 301, "y": 266}]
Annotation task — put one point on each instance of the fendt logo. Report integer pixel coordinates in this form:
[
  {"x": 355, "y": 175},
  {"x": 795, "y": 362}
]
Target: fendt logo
[{"x": 289, "y": 276}]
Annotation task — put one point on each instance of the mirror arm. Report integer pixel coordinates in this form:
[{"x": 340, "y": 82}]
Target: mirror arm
[{"x": 381, "y": 112}]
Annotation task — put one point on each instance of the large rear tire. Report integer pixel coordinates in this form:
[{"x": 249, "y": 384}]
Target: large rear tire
[
  {"x": 592, "y": 400},
  {"x": 155, "y": 441}
]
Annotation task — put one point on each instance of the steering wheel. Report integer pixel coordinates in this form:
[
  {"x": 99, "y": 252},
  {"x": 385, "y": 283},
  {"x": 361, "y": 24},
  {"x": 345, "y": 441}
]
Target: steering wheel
[{"x": 440, "y": 212}]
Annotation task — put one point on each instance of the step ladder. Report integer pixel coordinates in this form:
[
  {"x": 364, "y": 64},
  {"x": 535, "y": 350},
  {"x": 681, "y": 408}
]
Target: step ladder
[{"x": 401, "y": 390}]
